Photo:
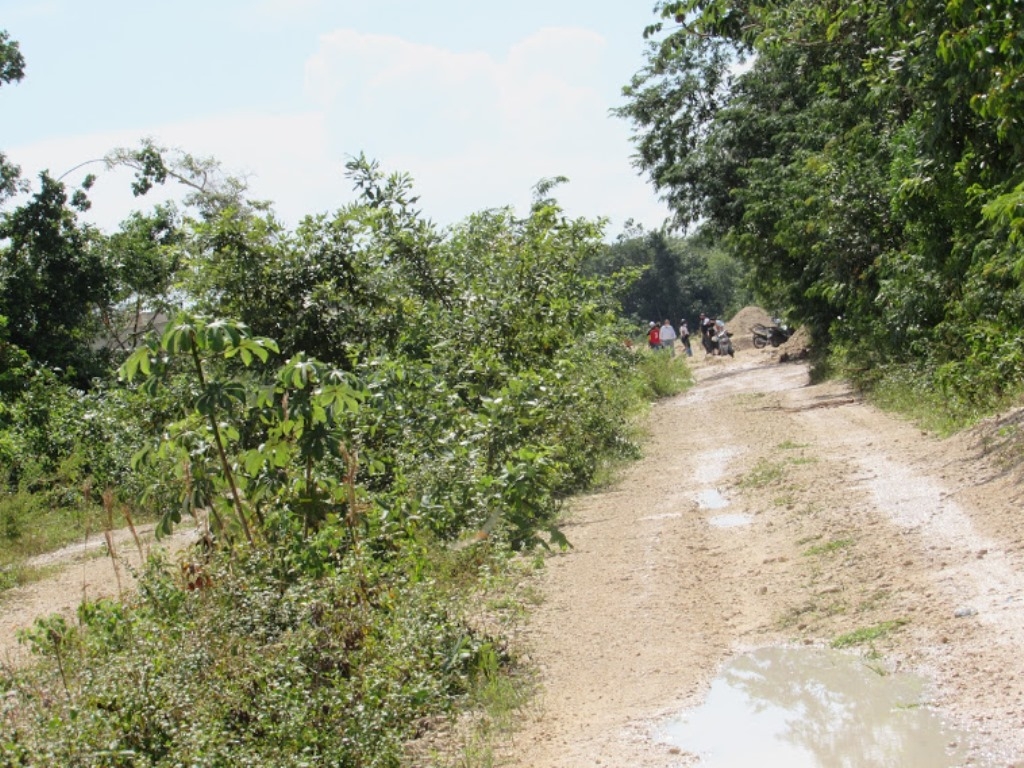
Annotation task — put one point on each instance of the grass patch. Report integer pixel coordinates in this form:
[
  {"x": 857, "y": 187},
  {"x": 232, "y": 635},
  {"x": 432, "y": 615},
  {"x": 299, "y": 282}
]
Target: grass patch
[
  {"x": 798, "y": 460},
  {"x": 19, "y": 574},
  {"x": 926, "y": 409},
  {"x": 30, "y": 525},
  {"x": 915, "y": 394},
  {"x": 873, "y": 601},
  {"x": 499, "y": 697},
  {"x": 763, "y": 474},
  {"x": 789, "y": 445},
  {"x": 868, "y": 634},
  {"x": 663, "y": 375},
  {"x": 835, "y": 545}
]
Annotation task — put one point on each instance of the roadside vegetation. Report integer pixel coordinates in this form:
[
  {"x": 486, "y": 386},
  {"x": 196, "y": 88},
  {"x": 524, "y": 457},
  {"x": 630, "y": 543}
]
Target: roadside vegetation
[
  {"x": 358, "y": 502},
  {"x": 867, "y": 635}
]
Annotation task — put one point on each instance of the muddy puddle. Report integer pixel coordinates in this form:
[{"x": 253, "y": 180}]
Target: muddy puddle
[{"x": 814, "y": 708}]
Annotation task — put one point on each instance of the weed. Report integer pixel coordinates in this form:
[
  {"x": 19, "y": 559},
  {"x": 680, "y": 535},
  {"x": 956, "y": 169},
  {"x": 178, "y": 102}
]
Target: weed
[
  {"x": 798, "y": 460},
  {"x": 868, "y": 634},
  {"x": 917, "y": 396},
  {"x": 837, "y": 608},
  {"x": 789, "y": 445},
  {"x": 829, "y": 547},
  {"x": 873, "y": 601},
  {"x": 794, "y": 615},
  {"x": 664, "y": 375},
  {"x": 764, "y": 473},
  {"x": 871, "y": 661}
]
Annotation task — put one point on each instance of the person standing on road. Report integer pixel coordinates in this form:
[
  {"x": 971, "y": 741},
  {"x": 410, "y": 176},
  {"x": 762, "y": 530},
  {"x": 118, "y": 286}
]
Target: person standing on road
[
  {"x": 668, "y": 337},
  {"x": 707, "y": 331},
  {"x": 653, "y": 335},
  {"x": 684, "y": 337}
]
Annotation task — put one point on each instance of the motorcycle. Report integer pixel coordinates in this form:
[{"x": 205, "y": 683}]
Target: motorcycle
[
  {"x": 724, "y": 342},
  {"x": 770, "y": 334}
]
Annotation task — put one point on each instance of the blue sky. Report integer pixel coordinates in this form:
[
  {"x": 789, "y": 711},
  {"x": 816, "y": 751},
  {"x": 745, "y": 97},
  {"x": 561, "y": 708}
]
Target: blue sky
[{"x": 476, "y": 100}]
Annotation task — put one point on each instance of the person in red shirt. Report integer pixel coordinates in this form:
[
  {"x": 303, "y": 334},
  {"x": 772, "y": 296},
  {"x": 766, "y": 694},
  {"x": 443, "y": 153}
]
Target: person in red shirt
[{"x": 654, "y": 336}]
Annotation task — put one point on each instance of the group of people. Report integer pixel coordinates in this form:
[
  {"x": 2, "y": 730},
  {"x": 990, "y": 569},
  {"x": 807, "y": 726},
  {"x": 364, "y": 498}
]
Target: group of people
[
  {"x": 713, "y": 336},
  {"x": 664, "y": 336}
]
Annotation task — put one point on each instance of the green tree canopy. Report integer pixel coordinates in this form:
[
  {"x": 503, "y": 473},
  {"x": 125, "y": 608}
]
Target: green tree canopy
[
  {"x": 52, "y": 279},
  {"x": 12, "y": 69},
  {"x": 12, "y": 63}
]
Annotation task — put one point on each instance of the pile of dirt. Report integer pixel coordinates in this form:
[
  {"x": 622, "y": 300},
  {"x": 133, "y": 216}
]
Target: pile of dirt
[
  {"x": 799, "y": 343},
  {"x": 742, "y": 324}
]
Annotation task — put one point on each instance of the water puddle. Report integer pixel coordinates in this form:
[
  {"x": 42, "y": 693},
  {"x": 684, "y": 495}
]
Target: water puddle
[
  {"x": 711, "y": 499},
  {"x": 814, "y": 708},
  {"x": 729, "y": 521}
]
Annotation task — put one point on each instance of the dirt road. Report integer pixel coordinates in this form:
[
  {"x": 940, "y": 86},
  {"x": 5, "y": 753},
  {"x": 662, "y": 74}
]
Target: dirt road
[
  {"x": 82, "y": 571},
  {"x": 854, "y": 519}
]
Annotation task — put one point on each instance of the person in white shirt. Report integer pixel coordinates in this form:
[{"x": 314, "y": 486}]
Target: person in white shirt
[
  {"x": 668, "y": 337},
  {"x": 684, "y": 337}
]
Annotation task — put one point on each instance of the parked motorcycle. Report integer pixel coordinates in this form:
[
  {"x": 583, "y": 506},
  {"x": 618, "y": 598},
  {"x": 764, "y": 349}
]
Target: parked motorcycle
[{"x": 770, "y": 334}]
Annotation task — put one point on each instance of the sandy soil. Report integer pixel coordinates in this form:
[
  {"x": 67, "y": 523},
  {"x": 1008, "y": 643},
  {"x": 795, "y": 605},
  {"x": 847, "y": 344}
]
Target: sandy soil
[{"x": 640, "y": 615}]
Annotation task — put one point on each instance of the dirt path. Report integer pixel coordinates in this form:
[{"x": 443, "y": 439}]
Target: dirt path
[
  {"x": 81, "y": 571},
  {"x": 855, "y": 519}
]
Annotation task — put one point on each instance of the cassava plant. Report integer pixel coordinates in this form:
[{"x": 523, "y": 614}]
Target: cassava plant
[
  {"x": 198, "y": 340},
  {"x": 297, "y": 456}
]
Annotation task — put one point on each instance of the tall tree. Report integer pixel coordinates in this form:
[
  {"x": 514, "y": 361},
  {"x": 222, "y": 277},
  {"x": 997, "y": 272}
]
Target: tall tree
[
  {"x": 659, "y": 276},
  {"x": 12, "y": 63},
  {"x": 52, "y": 280},
  {"x": 12, "y": 69}
]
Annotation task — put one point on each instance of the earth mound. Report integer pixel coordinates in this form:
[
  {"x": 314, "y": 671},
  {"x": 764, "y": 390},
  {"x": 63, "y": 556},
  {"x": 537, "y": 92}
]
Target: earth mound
[
  {"x": 799, "y": 342},
  {"x": 742, "y": 324}
]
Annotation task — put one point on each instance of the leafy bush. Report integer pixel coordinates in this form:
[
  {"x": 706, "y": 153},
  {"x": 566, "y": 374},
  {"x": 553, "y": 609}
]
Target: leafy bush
[
  {"x": 335, "y": 672},
  {"x": 475, "y": 379}
]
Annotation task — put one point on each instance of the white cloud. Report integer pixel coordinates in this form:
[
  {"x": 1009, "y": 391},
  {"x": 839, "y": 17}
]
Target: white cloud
[{"x": 477, "y": 130}]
